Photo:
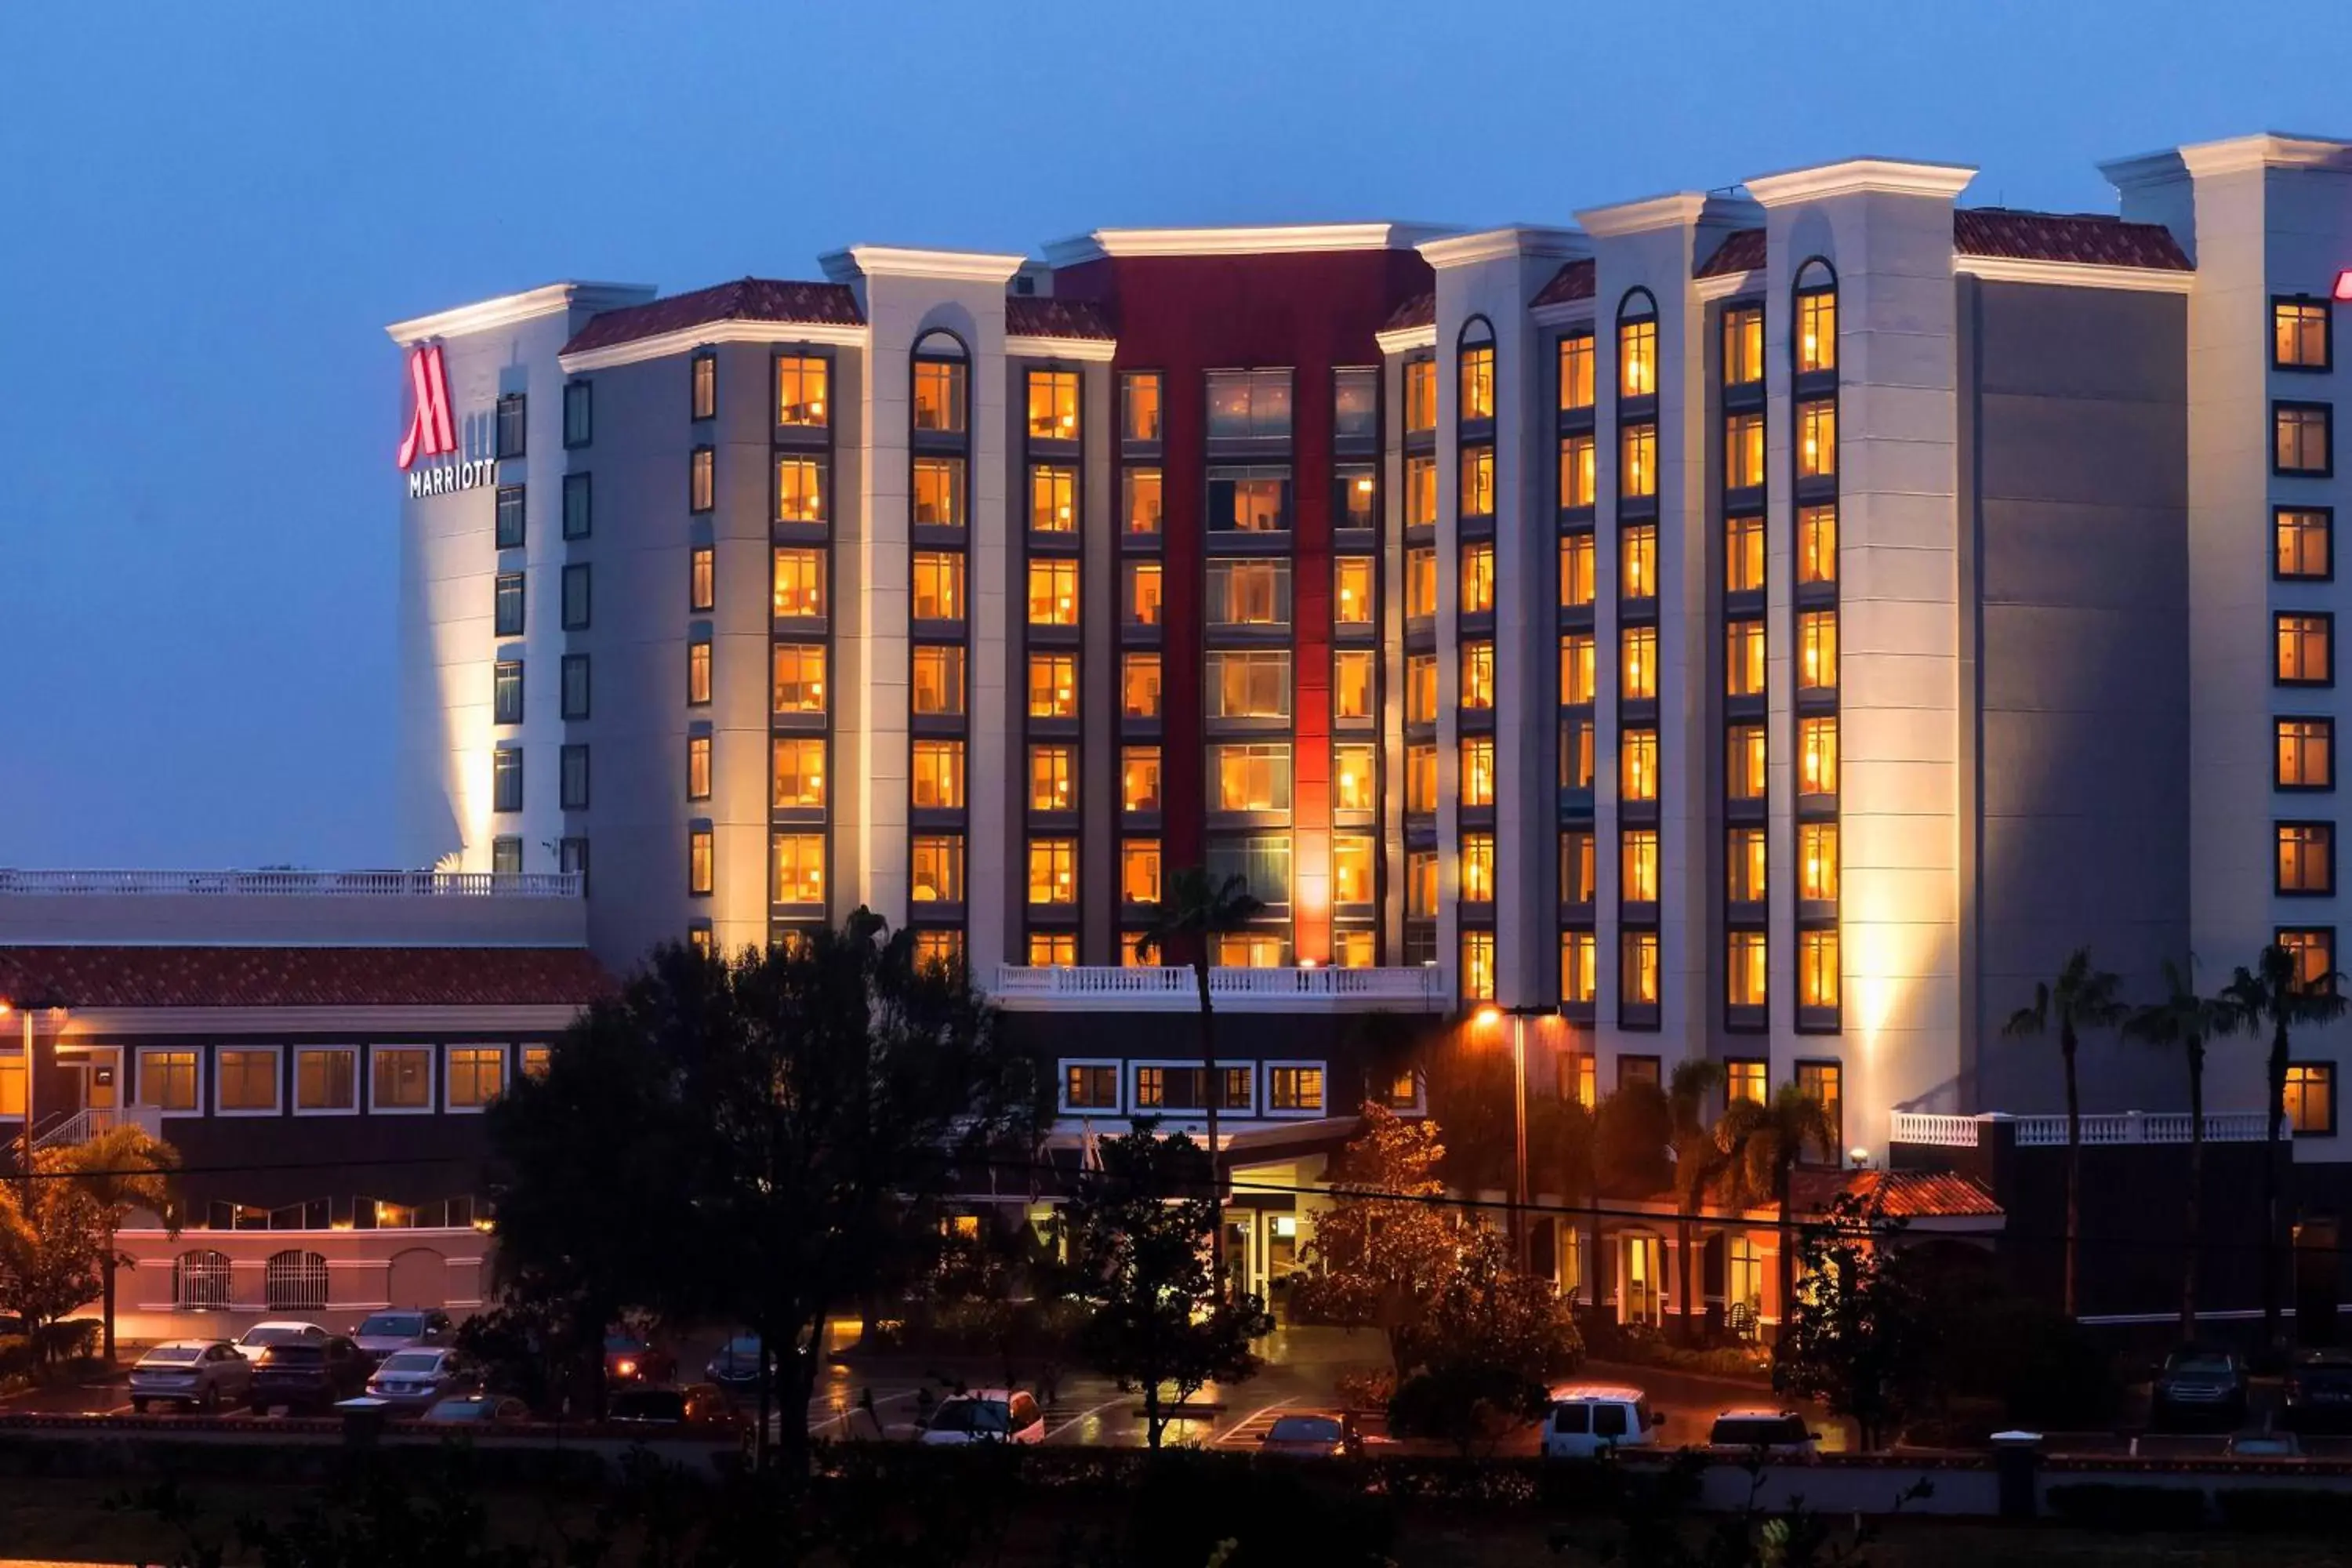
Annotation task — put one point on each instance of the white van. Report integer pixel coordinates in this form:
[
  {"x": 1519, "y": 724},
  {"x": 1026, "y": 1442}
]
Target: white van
[{"x": 1586, "y": 1419}]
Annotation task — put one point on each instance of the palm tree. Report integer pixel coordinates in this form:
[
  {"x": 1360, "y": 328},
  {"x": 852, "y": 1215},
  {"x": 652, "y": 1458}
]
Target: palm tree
[
  {"x": 1696, "y": 1161},
  {"x": 2083, "y": 998},
  {"x": 2272, "y": 995},
  {"x": 1193, "y": 912},
  {"x": 1763, "y": 1145},
  {"x": 2184, "y": 1021},
  {"x": 122, "y": 1169}
]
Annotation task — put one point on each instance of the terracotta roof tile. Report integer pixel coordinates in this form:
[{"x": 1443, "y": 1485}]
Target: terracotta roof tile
[
  {"x": 1742, "y": 250},
  {"x": 1029, "y": 316},
  {"x": 2091, "y": 238},
  {"x": 300, "y": 977},
  {"x": 745, "y": 299},
  {"x": 1421, "y": 310},
  {"x": 1574, "y": 280},
  {"x": 1906, "y": 1195}
]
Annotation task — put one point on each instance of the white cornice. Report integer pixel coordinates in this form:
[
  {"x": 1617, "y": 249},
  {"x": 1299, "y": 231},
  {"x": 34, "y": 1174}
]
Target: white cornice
[
  {"x": 1723, "y": 285},
  {"x": 86, "y": 1024},
  {"x": 1091, "y": 351},
  {"x": 857, "y": 261},
  {"x": 687, "y": 338},
  {"x": 485, "y": 315},
  {"x": 1243, "y": 241},
  {"x": 1887, "y": 176},
  {"x": 1494, "y": 244},
  {"x": 2075, "y": 274},
  {"x": 1678, "y": 210},
  {"x": 1404, "y": 339},
  {"x": 2235, "y": 154}
]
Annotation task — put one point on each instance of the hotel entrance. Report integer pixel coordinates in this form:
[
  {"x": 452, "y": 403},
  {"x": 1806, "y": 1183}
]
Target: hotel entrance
[{"x": 1262, "y": 1244}]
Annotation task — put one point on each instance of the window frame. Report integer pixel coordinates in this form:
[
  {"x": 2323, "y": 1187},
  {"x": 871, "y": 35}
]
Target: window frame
[
  {"x": 2327, "y": 621},
  {"x": 576, "y": 571},
  {"x": 520, "y": 537},
  {"x": 2327, "y": 515},
  {"x": 565, "y": 668},
  {"x": 276, "y": 1054},
  {"x": 2327, "y": 411},
  {"x": 1118, "y": 1090},
  {"x": 1268, "y": 1067},
  {"x": 580, "y": 395},
  {"x": 354, "y": 1055},
  {"x": 2326, "y": 1071},
  {"x": 2326, "y": 334},
  {"x": 196, "y": 1099},
  {"x": 701, "y": 375},
  {"x": 2278, "y": 773},
  {"x": 572, "y": 752},
  {"x": 2279, "y": 827},
  {"x": 432, "y": 1079},
  {"x": 449, "y": 1106},
  {"x": 521, "y": 406},
  {"x": 581, "y": 484},
  {"x": 701, "y": 480}
]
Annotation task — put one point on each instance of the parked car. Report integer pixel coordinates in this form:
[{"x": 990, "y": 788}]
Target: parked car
[
  {"x": 305, "y": 1375},
  {"x": 628, "y": 1359},
  {"x": 1313, "y": 1435},
  {"x": 2201, "y": 1384},
  {"x": 480, "y": 1410},
  {"x": 1779, "y": 1434},
  {"x": 986, "y": 1416},
  {"x": 408, "y": 1381},
  {"x": 2319, "y": 1390},
  {"x": 268, "y": 1335},
  {"x": 696, "y": 1404},
  {"x": 381, "y": 1333},
  {"x": 2264, "y": 1446},
  {"x": 1586, "y": 1419},
  {"x": 206, "y": 1373},
  {"x": 736, "y": 1367}
]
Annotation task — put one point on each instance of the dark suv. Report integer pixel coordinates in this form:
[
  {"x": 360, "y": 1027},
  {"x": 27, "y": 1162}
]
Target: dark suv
[
  {"x": 307, "y": 1375},
  {"x": 2201, "y": 1385}
]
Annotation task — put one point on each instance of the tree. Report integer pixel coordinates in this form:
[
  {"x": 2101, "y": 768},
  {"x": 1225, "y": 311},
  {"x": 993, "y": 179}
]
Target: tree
[
  {"x": 53, "y": 1242},
  {"x": 121, "y": 1170},
  {"x": 1858, "y": 1337},
  {"x": 1162, "y": 1316},
  {"x": 2184, "y": 1021},
  {"x": 1194, "y": 911},
  {"x": 1763, "y": 1145},
  {"x": 1632, "y": 1134},
  {"x": 2081, "y": 998},
  {"x": 785, "y": 1121},
  {"x": 1698, "y": 1160},
  {"x": 1488, "y": 1342},
  {"x": 1562, "y": 1159},
  {"x": 2272, "y": 997}
]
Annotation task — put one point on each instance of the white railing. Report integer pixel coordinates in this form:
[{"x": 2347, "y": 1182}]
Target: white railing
[
  {"x": 1941, "y": 1132},
  {"x": 88, "y": 1122},
  {"x": 299, "y": 884},
  {"x": 2046, "y": 1131},
  {"x": 1173, "y": 986}
]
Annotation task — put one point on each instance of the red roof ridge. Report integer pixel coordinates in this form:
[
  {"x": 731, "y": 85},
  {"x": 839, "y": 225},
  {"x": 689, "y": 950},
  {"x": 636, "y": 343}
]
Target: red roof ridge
[
  {"x": 1574, "y": 280},
  {"x": 255, "y": 975},
  {"x": 1046, "y": 316},
  {"x": 745, "y": 298},
  {"x": 1414, "y": 310}
]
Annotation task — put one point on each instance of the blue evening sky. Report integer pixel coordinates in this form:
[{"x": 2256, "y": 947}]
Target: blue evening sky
[{"x": 208, "y": 212}]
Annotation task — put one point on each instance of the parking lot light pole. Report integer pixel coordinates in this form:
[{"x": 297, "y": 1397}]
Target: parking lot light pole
[{"x": 1486, "y": 1017}]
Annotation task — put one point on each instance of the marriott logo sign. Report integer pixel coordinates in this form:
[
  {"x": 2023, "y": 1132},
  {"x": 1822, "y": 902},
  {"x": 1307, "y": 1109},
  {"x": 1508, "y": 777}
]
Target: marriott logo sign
[{"x": 432, "y": 435}]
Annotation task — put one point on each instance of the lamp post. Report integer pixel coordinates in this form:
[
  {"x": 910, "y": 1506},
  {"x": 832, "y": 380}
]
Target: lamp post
[{"x": 1489, "y": 1013}]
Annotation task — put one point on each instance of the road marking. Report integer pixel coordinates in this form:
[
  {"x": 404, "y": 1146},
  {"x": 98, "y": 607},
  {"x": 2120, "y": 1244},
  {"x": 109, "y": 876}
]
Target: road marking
[
  {"x": 1226, "y": 1434},
  {"x": 1082, "y": 1414},
  {"x": 857, "y": 1409}
]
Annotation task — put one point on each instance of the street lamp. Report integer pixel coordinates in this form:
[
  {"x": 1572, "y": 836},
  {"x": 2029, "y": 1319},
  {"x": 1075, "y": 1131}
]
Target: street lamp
[{"x": 1487, "y": 1015}]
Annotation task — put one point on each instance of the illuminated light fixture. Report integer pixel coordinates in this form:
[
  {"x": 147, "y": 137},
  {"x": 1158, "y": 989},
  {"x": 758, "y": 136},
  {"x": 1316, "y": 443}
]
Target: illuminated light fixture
[
  {"x": 1858, "y": 1155},
  {"x": 1487, "y": 1015},
  {"x": 1364, "y": 485},
  {"x": 2344, "y": 284}
]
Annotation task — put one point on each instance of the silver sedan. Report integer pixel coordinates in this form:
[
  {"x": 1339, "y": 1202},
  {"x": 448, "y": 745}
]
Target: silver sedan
[{"x": 193, "y": 1373}]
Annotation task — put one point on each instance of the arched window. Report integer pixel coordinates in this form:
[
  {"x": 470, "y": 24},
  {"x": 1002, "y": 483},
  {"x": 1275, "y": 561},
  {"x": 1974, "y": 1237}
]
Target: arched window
[
  {"x": 1637, "y": 345},
  {"x": 294, "y": 1282},
  {"x": 1813, "y": 338},
  {"x": 1473, "y": 353},
  {"x": 200, "y": 1281}
]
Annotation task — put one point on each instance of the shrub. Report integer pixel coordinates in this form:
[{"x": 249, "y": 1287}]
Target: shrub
[
  {"x": 2105, "y": 1504},
  {"x": 1468, "y": 1403},
  {"x": 2287, "y": 1511},
  {"x": 17, "y": 1357},
  {"x": 1365, "y": 1388}
]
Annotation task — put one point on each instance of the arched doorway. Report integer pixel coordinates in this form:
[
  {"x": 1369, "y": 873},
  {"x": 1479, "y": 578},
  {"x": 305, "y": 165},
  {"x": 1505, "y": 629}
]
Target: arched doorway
[{"x": 420, "y": 1277}]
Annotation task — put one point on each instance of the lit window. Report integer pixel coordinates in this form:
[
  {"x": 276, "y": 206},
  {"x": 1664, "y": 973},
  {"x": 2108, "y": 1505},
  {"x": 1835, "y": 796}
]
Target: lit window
[
  {"x": 2314, "y": 952},
  {"x": 1477, "y": 490},
  {"x": 1053, "y": 870},
  {"x": 1817, "y": 544},
  {"x": 1053, "y": 686},
  {"x": 938, "y": 582},
  {"x": 1637, "y": 563},
  {"x": 1577, "y": 866},
  {"x": 1477, "y": 382},
  {"x": 1053, "y": 949},
  {"x": 1351, "y": 867},
  {"x": 798, "y": 772},
  {"x": 167, "y": 1080},
  {"x": 2306, "y": 541},
  {"x": 939, "y": 950},
  {"x": 1139, "y": 499},
  {"x": 1090, "y": 1087},
  {"x": 1247, "y": 950},
  {"x": 800, "y": 490},
  {"x": 1637, "y": 764},
  {"x": 697, "y": 767},
  {"x": 1637, "y": 666},
  {"x": 1294, "y": 1088},
  {"x": 2311, "y": 1098},
  {"x": 1576, "y": 578},
  {"x": 1743, "y": 555},
  {"x": 1249, "y": 500},
  {"x": 938, "y": 680},
  {"x": 701, "y": 480},
  {"x": 1142, "y": 599},
  {"x": 938, "y": 782},
  {"x": 1248, "y": 593},
  {"x": 1743, "y": 968},
  {"x": 1637, "y": 968},
  {"x": 1352, "y": 577},
  {"x": 1743, "y": 345},
  {"x": 1139, "y": 871},
  {"x": 1478, "y": 867},
  {"x": 1138, "y": 686},
  {"x": 2306, "y": 753},
  {"x": 1478, "y": 965},
  {"x": 1420, "y": 584},
  {"x": 1816, "y": 331},
  {"x": 1743, "y": 761},
  {"x": 1477, "y": 675},
  {"x": 2306, "y": 648},
  {"x": 1421, "y": 883},
  {"x": 1637, "y": 865},
  {"x": 800, "y": 583},
  {"x": 1637, "y": 357},
  {"x": 2304, "y": 438},
  {"x": 1743, "y": 451},
  {"x": 1420, "y": 395},
  {"x": 1131, "y": 955},
  {"x": 939, "y": 492},
  {"x": 1053, "y": 592},
  {"x": 1249, "y": 405},
  {"x": 2306, "y": 857},
  {"x": 1354, "y": 776},
  {"x": 1817, "y": 968},
  {"x": 1249, "y": 778},
  {"x": 1817, "y": 650},
  {"x": 1139, "y": 403},
  {"x": 701, "y": 578},
  {"x": 1576, "y": 373},
  {"x": 1637, "y": 461},
  {"x": 1052, "y": 778},
  {"x": 401, "y": 1078},
  {"x": 1479, "y": 580},
  {"x": 698, "y": 672},
  {"x": 703, "y": 398},
  {"x": 2299, "y": 334},
  {"x": 1817, "y": 756},
  {"x": 1816, "y": 440},
  {"x": 799, "y": 678},
  {"x": 1579, "y": 478},
  {"x": 1054, "y": 405},
  {"x": 1817, "y": 861},
  {"x": 477, "y": 1076},
  {"x": 1249, "y": 684},
  {"x": 1579, "y": 967},
  {"x": 1351, "y": 683},
  {"x": 1576, "y": 668},
  {"x": 700, "y": 862},
  {"x": 244, "y": 1079},
  {"x": 1749, "y": 1081},
  {"x": 1356, "y": 403},
  {"x": 1355, "y": 496},
  {"x": 1477, "y": 783},
  {"x": 1420, "y": 689},
  {"x": 800, "y": 390},
  {"x": 1139, "y": 778},
  {"x": 1420, "y": 492},
  {"x": 1053, "y": 498},
  {"x": 1743, "y": 864},
  {"x": 1743, "y": 659},
  {"x": 326, "y": 1077},
  {"x": 1421, "y": 779},
  {"x": 1824, "y": 1082}
]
